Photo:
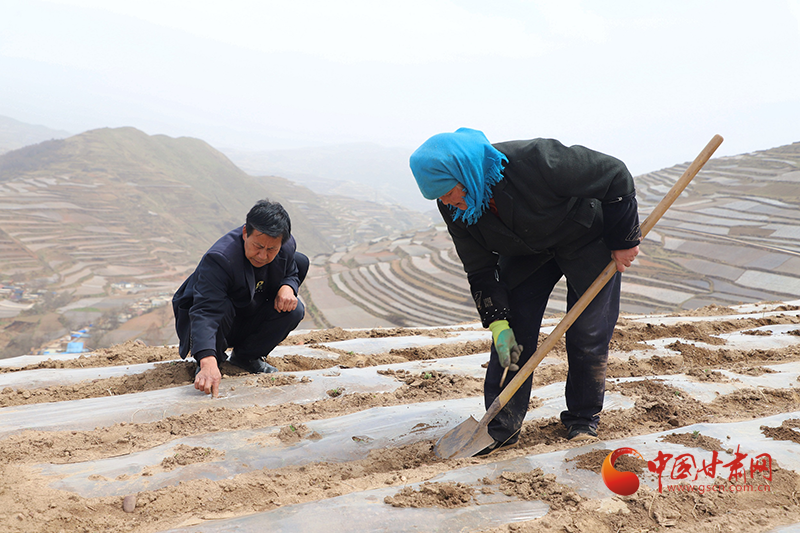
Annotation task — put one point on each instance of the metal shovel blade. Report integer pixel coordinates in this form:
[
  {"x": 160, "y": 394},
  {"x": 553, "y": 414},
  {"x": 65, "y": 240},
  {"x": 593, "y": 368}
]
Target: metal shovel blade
[{"x": 465, "y": 440}]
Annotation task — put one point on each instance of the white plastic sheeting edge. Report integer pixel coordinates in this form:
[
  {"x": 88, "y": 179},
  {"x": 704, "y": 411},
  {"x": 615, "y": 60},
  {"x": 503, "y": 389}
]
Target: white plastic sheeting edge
[
  {"x": 367, "y": 507},
  {"x": 366, "y": 512},
  {"x": 235, "y": 392},
  {"x": 344, "y": 438}
]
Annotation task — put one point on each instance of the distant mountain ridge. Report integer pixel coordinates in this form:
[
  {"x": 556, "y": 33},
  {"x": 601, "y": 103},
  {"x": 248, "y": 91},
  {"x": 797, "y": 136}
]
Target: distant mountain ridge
[
  {"x": 362, "y": 171},
  {"x": 15, "y": 134}
]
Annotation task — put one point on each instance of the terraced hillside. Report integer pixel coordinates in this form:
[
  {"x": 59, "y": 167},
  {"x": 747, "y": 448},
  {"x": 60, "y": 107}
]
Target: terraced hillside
[
  {"x": 99, "y": 227},
  {"x": 732, "y": 237}
]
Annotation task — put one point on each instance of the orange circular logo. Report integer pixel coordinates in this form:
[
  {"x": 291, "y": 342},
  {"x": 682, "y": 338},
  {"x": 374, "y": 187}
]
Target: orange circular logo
[{"x": 622, "y": 483}]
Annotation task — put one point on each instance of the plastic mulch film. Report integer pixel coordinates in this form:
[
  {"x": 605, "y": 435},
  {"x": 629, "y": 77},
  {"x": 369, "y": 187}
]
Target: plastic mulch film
[
  {"x": 391, "y": 426},
  {"x": 235, "y": 392},
  {"x": 366, "y": 512},
  {"x": 744, "y": 311},
  {"x": 367, "y": 507},
  {"x": 403, "y": 422},
  {"x": 48, "y": 377},
  {"x": 45, "y": 377},
  {"x": 384, "y": 344},
  {"x": 780, "y": 336},
  {"x": 243, "y": 391},
  {"x": 786, "y": 375},
  {"x": 306, "y": 351},
  {"x": 339, "y": 439},
  {"x": 343, "y": 438},
  {"x": 365, "y": 346},
  {"x": 25, "y": 360},
  {"x": 465, "y": 365}
]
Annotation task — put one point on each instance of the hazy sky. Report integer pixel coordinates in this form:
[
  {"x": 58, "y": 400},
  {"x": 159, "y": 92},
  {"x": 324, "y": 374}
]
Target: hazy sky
[{"x": 648, "y": 81}]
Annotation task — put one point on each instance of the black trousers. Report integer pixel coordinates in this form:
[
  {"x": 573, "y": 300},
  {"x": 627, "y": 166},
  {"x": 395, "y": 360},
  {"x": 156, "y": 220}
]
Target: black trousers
[
  {"x": 256, "y": 335},
  {"x": 587, "y": 351}
]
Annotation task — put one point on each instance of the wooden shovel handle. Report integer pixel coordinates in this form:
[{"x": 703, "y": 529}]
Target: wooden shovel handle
[{"x": 598, "y": 284}]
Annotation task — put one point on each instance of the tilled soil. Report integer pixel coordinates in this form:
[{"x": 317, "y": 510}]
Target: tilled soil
[{"x": 27, "y": 503}]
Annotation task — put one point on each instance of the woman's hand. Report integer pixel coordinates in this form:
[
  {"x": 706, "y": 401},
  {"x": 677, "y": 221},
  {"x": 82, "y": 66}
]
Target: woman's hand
[{"x": 624, "y": 258}]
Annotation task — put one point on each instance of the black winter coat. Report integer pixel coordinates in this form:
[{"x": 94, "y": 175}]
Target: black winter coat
[{"x": 553, "y": 202}]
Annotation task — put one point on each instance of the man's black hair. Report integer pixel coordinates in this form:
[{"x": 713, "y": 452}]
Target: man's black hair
[{"x": 269, "y": 218}]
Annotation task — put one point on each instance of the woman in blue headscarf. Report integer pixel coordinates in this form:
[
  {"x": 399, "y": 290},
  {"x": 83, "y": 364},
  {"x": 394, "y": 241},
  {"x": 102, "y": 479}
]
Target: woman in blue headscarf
[{"x": 522, "y": 214}]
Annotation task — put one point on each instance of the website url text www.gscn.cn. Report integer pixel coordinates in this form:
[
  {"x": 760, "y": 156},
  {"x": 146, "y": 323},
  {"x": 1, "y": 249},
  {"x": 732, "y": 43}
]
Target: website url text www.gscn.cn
[{"x": 702, "y": 489}]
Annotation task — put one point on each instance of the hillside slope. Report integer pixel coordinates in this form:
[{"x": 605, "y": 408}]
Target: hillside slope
[
  {"x": 145, "y": 187},
  {"x": 96, "y": 223}
]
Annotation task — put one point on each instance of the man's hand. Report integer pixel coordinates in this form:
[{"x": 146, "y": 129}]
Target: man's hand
[
  {"x": 285, "y": 300},
  {"x": 508, "y": 350},
  {"x": 207, "y": 380},
  {"x": 624, "y": 258}
]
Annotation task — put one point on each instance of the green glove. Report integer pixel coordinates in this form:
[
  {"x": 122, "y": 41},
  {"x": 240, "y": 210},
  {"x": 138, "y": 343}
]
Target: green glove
[{"x": 508, "y": 350}]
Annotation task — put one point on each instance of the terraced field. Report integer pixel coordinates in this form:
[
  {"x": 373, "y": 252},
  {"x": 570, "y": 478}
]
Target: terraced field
[
  {"x": 90, "y": 237},
  {"x": 343, "y": 437}
]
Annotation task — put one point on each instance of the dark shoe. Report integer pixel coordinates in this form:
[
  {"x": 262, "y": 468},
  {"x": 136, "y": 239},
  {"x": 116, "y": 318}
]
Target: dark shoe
[
  {"x": 254, "y": 366},
  {"x": 497, "y": 445},
  {"x": 581, "y": 432}
]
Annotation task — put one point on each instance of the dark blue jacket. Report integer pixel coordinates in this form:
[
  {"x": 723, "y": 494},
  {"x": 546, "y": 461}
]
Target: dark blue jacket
[{"x": 222, "y": 283}]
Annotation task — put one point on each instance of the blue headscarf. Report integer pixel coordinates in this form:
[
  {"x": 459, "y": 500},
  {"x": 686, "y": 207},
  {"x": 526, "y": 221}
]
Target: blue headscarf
[{"x": 464, "y": 157}]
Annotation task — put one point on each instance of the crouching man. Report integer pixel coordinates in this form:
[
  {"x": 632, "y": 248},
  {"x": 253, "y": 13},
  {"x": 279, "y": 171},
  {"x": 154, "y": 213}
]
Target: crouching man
[{"x": 242, "y": 295}]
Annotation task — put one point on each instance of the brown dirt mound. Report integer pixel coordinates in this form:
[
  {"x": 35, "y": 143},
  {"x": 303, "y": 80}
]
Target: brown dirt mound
[
  {"x": 295, "y": 363},
  {"x": 440, "y": 351},
  {"x": 707, "y": 375},
  {"x": 446, "y": 495},
  {"x": 279, "y": 380},
  {"x": 186, "y": 455},
  {"x": 632, "y": 333},
  {"x": 593, "y": 461},
  {"x": 697, "y": 356},
  {"x": 434, "y": 384},
  {"x": 536, "y": 485},
  {"x": 293, "y": 433},
  {"x": 788, "y": 430},
  {"x": 694, "y": 440}
]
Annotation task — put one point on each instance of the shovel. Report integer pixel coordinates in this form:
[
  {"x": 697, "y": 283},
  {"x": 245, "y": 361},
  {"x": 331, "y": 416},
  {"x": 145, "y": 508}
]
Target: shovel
[{"x": 471, "y": 436}]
